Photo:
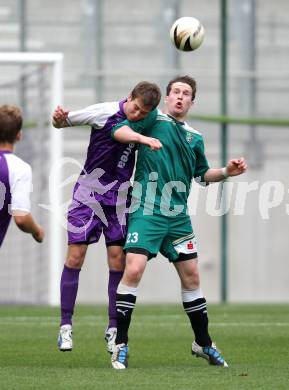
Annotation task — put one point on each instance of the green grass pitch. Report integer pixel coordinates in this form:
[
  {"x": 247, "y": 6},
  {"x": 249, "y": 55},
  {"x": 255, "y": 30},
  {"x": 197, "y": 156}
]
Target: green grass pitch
[{"x": 254, "y": 340}]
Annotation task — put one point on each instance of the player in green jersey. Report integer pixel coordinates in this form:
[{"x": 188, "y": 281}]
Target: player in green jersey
[{"x": 163, "y": 178}]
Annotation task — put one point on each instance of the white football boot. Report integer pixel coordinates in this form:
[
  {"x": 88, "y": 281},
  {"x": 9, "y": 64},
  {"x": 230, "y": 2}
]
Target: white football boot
[{"x": 65, "y": 338}]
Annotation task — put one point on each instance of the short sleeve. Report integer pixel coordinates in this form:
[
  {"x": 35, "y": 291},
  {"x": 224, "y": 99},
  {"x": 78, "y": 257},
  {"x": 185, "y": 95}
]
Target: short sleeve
[
  {"x": 95, "y": 115},
  {"x": 21, "y": 189}
]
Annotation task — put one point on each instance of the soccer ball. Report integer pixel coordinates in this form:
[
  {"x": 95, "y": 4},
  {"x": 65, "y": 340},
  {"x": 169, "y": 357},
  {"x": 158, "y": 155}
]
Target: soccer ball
[{"x": 187, "y": 33}]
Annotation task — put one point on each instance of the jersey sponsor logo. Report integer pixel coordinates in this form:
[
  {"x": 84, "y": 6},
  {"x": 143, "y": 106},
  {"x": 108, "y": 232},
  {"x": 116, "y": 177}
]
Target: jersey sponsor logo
[
  {"x": 187, "y": 246},
  {"x": 190, "y": 245},
  {"x": 125, "y": 156}
]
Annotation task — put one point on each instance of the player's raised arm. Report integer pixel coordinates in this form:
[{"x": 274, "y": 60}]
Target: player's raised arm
[
  {"x": 234, "y": 167},
  {"x": 126, "y": 135},
  {"x": 89, "y": 116}
]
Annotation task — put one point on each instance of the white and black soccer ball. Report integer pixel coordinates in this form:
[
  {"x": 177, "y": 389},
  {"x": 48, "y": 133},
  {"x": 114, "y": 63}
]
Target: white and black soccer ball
[{"x": 187, "y": 33}]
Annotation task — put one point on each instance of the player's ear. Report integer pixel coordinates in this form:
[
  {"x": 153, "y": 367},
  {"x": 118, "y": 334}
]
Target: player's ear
[
  {"x": 129, "y": 98},
  {"x": 18, "y": 136}
]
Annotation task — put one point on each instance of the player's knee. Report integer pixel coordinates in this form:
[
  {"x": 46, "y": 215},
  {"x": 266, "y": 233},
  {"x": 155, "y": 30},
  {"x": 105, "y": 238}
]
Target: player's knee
[
  {"x": 116, "y": 260},
  {"x": 134, "y": 267},
  {"x": 74, "y": 262},
  {"x": 191, "y": 280},
  {"x": 75, "y": 259},
  {"x": 134, "y": 273}
]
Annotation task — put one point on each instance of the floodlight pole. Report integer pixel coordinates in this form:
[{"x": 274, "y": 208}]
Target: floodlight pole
[{"x": 224, "y": 147}]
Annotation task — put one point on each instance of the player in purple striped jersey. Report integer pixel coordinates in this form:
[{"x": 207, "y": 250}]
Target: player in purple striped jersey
[
  {"x": 96, "y": 196},
  {"x": 15, "y": 178}
]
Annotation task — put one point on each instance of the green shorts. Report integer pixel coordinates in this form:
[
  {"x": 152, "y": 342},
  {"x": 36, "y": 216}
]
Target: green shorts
[{"x": 172, "y": 236}]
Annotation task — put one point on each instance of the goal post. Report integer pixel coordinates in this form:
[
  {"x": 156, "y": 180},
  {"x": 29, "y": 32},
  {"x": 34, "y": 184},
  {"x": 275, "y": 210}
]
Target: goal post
[{"x": 53, "y": 61}]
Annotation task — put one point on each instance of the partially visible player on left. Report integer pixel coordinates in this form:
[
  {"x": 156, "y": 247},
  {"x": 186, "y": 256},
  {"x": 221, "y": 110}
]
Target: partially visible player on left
[{"x": 15, "y": 178}]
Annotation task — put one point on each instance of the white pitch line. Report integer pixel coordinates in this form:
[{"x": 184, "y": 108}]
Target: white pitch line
[{"x": 152, "y": 320}]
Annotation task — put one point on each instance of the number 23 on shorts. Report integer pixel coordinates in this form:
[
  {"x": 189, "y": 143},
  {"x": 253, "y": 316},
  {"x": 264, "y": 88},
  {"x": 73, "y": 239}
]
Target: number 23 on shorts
[{"x": 132, "y": 238}]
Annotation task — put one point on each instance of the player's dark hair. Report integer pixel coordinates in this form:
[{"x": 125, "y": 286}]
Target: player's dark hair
[
  {"x": 148, "y": 92},
  {"x": 10, "y": 123},
  {"x": 183, "y": 79}
]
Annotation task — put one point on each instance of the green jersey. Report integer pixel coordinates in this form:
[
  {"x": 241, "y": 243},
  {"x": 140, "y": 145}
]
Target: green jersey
[{"x": 163, "y": 178}]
